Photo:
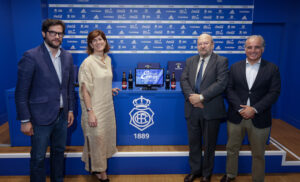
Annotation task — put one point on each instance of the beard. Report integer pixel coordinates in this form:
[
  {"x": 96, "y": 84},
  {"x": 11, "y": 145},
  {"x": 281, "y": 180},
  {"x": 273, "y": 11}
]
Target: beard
[{"x": 50, "y": 44}]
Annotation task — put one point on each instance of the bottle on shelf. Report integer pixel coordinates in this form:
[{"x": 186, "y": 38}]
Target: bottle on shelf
[
  {"x": 130, "y": 80},
  {"x": 168, "y": 80},
  {"x": 124, "y": 82},
  {"x": 173, "y": 81}
]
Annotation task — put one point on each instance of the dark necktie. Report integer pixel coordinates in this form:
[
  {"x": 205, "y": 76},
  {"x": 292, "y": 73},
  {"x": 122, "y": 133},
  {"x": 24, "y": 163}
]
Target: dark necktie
[{"x": 199, "y": 77}]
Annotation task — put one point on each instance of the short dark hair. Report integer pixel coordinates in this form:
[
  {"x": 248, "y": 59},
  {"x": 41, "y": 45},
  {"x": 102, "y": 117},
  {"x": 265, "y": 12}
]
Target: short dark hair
[
  {"x": 51, "y": 22},
  {"x": 93, "y": 34}
]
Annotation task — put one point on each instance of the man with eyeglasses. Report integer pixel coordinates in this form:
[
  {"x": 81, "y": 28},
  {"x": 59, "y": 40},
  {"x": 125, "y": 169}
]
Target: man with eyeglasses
[
  {"x": 203, "y": 83},
  {"x": 254, "y": 85},
  {"x": 44, "y": 99}
]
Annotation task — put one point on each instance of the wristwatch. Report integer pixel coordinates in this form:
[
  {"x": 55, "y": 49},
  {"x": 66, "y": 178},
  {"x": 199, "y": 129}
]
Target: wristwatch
[{"x": 89, "y": 109}]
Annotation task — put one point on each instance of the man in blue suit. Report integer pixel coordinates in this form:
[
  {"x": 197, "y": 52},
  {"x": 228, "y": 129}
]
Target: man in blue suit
[
  {"x": 254, "y": 85},
  {"x": 44, "y": 100}
]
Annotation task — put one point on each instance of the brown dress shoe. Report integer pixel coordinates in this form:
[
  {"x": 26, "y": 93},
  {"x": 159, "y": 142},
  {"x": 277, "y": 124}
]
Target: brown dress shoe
[
  {"x": 225, "y": 178},
  {"x": 206, "y": 179},
  {"x": 190, "y": 177}
]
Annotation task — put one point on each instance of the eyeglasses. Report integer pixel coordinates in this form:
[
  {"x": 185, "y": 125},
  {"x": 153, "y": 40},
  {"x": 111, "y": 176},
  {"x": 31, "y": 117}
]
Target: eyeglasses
[{"x": 53, "y": 34}]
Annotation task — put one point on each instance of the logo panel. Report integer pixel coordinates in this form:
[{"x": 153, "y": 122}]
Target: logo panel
[{"x": 141, "y": 116}]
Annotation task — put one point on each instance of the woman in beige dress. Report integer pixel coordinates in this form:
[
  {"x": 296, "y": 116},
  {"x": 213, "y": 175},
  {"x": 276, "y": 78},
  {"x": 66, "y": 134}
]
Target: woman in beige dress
[{"x": 98, "y": 115}]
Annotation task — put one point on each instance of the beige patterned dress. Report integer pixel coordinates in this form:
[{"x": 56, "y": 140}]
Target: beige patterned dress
[{"x": 100, "y": 141}]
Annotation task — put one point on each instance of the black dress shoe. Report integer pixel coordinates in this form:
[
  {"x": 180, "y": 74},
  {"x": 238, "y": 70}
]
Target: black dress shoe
[
  {"x": 104, "y": 180},
  {"x": 206, "y": 179},
  {"x": 225, "y": 178},
  {"x": 101, "y": 180},
  {"x": 191, "y": 177}
]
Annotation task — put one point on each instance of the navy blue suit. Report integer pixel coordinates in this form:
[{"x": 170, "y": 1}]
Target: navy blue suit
[
  {"x": 37, "y": 97},
  {"x": 38, "y": 89}
]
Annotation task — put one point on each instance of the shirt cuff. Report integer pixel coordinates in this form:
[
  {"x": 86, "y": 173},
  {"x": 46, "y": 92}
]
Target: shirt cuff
[
  {"x": 25, "y": 121},
  {"x": 201, "y": 98},
  {"x": 255, "y": 110},
  {"x": 252, "y": 107}
]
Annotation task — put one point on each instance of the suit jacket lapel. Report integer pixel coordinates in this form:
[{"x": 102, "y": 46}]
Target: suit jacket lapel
[
  {"x": 260, "y": 73},
  {"x": 209, "y": 65},
  {"x": 243, "y": 73},
  {"x": 194, "y": 69},
  {"x": 63, "y": 65},
  {"x": 48, "y": 60}
]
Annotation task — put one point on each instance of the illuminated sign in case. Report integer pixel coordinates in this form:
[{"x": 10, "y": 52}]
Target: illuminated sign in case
[{"x": 132, "y": 28}]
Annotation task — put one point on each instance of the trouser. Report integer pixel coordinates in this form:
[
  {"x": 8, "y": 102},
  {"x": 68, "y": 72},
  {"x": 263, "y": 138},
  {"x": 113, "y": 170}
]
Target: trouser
[
  {"x": 257, "y": 138},
  {"x": 200, "y": 130},
  {"x": 56, "y": 133}
]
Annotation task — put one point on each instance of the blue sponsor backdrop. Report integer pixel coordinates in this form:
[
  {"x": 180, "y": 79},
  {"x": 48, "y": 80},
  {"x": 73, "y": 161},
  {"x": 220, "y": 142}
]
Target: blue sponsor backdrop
[{"x": 156, "y": 32}]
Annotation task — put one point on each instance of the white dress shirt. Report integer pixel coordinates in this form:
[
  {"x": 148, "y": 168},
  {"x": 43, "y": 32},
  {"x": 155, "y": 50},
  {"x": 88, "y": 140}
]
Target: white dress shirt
[
  {"x": 57, "y": 65},
  {"x": 251, "y": 73},
  {"x": 204, "y": 66}
]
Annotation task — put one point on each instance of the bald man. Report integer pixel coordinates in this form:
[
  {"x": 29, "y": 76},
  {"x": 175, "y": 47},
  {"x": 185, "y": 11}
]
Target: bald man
[{"x": 203, "y": 82}]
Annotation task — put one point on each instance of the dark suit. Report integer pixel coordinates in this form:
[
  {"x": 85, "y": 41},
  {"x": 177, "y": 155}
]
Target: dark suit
[
  {"x": 263, "y": 93},
  {"x": 37, "y": 98},
  {"x": 38, "y": 89},
  {"x": 204, "y": 123}
]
